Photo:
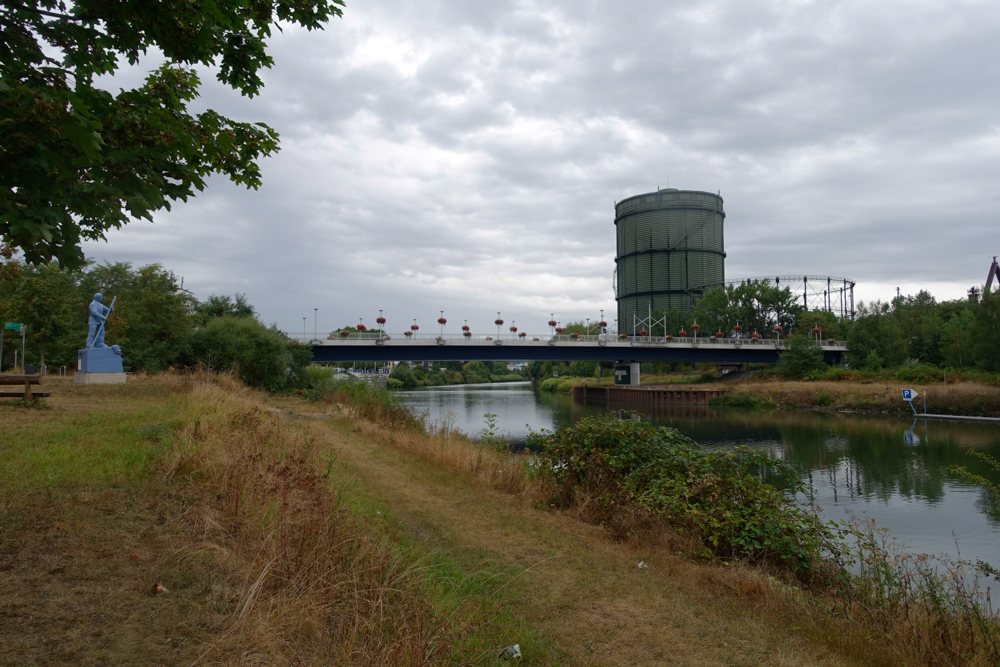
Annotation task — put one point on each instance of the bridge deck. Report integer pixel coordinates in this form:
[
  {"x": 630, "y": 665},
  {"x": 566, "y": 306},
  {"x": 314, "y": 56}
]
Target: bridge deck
[{"x": 449, "y": 347}]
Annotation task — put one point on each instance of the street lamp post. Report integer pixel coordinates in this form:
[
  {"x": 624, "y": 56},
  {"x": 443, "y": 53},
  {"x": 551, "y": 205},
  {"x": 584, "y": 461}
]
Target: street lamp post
[
  {"x": 315, "y": 323},
  {"x": 304, "y": 334}
]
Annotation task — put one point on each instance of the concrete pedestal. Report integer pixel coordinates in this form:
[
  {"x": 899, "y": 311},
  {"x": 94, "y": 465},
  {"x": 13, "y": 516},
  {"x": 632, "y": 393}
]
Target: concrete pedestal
[{"x": 99, "y": 378}]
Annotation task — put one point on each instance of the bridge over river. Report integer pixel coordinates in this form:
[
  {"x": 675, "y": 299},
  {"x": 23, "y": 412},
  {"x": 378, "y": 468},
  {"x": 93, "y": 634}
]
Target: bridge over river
[{"x": 457, "y": 347}]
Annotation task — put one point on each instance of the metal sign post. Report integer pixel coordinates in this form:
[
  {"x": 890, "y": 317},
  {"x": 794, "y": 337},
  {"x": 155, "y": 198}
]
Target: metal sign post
[{"x": 13, "y": 326}]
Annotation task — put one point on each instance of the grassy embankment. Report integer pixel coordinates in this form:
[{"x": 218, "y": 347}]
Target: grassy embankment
[
  {"x": 201, "y": 489},
  {"x": 867, "y": 392},
  {"x": 359, "y": 539},
  {"x": 902, "y": 609}
]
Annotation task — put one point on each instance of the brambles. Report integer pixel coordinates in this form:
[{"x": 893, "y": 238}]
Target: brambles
[{"x": 729, "y": 500}]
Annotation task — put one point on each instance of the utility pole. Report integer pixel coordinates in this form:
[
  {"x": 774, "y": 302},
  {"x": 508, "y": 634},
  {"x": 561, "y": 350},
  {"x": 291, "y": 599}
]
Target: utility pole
[{"x": 315, "y": 323}]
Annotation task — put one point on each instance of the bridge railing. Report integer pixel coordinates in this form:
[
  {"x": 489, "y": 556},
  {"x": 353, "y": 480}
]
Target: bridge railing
[{"x": 508, "y": 339}]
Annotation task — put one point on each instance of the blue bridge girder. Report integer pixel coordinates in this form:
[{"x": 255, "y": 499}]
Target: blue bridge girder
[{"x": 372, "y": 347}]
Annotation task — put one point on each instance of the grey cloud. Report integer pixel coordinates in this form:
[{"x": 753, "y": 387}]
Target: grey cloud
[{"x": 467, "y": 155}]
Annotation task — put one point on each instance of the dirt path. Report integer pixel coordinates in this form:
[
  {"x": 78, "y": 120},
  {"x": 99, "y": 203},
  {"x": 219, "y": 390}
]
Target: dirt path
[{"x": 584, "y": 593}]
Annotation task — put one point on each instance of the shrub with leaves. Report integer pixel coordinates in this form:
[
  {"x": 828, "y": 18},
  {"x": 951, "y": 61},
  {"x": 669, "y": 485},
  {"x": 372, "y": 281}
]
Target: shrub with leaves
[{"x": 733, "y": 501}]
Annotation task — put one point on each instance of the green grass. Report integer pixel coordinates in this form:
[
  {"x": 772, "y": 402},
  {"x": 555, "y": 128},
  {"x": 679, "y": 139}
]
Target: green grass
[
  {"x": 456, "y": 581},
  {"x": 47, "y": 449}
]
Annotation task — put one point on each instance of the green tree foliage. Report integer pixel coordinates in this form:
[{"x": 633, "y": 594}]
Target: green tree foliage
[
  {"x": 986, "y": 333},
  {"x": 48, "y": 301},
  {"x": 476, "y": 371},
  {"x": 802, "y": 357},
  {"x": 833, "y": 327},
  {"x": 403, "y": 374},
  {"x": 919, "y": 321},
  {"x": 261, "y": 357},
  {"x": 875, "y": 330},
  {"x": 756, "y": 305},
  {"x": 218, "y": 306},
  {"x": 78, "y": 160}
]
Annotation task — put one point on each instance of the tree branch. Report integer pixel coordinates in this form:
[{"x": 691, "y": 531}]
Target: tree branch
[{"x": 42, "y": 12}]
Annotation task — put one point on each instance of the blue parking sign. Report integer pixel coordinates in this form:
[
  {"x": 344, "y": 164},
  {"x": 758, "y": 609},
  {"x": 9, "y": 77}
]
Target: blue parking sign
[{"x": 909, "y": 394}]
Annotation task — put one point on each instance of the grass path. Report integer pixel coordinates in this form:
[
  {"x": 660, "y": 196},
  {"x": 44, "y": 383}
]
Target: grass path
[{"x": 582, "y": 592}]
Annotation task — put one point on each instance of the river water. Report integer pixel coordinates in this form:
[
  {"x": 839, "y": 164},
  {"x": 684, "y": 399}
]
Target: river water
[{"x": 890, "y": 469}]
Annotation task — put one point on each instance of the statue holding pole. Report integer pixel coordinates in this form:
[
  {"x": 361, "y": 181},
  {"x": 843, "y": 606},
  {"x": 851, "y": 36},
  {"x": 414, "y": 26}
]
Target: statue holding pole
[
  {"x": 99, "y": 314},
  {"x": 97, "y": 363}
]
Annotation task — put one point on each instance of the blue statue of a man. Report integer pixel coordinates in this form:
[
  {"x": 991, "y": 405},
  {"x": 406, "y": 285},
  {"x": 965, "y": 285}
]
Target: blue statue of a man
[{"x": 98, "y": 315}]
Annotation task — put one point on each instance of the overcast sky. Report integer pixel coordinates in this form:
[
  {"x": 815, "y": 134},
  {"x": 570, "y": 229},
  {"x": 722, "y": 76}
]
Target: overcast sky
[{"x": 465, "y": 156}]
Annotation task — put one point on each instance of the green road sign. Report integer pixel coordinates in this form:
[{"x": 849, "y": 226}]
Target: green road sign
[{"x": 12, "y": 325}]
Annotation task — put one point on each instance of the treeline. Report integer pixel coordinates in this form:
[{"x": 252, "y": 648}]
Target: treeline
[
  {"x": 406, "y": 376},
  {"x": 908, "y": 331},
  {"x": 960, "y": 334},
  {"x": 157, "y": 324}
]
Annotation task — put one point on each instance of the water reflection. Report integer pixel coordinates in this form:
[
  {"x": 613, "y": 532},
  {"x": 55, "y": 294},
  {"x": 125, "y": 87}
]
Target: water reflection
[{"x": 894, "y": 470}]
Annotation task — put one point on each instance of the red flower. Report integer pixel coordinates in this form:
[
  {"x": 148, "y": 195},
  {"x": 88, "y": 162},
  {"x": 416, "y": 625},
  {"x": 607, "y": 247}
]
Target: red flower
[
  {"x": 643, "y": 332},
  {"x": 407, "y": 333},
  {"x": 441, "y": 320}
]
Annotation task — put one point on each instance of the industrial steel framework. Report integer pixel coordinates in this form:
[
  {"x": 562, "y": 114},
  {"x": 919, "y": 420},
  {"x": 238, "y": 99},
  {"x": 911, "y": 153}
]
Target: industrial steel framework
[{"x": 834, "y": 294}]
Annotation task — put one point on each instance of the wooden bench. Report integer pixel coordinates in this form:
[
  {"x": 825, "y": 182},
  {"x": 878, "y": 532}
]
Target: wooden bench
[{"x": 22, "y": 380}]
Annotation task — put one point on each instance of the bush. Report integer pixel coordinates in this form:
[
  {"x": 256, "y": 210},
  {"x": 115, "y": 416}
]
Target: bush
[
  {"x": 730, "y": 500},
  {"x": 393, "y": 383},
  {"x": 873, "y": 362},
  {"x": 375, "y": 404},
  {"x": 261, "y": 357},
  {"x": 919, "y": 373},
  {"x": 823, "y": 399},
  {"x": 560, "y": 384},
  {"x": 404, "y": 374},
  {"x": 802, "y": 357}
]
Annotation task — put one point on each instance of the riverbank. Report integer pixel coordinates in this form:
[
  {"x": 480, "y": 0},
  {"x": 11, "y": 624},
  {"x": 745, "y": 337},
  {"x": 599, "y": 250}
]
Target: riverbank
[
  {"x": 866, "y": 396},
  {"x": 966, "y": 398},
  {"x": 282, "y": 531}
]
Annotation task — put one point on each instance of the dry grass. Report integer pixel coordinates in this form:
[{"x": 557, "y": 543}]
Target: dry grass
[
  {"x": 969, "y": 398},
  {"x": 261, "y": 561},
  {"x": 920, "y": 632},
  {"x": 580, "y": 589},
  {"x": 313, "y": 582}
]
